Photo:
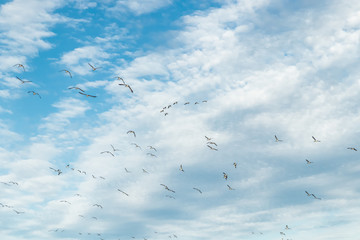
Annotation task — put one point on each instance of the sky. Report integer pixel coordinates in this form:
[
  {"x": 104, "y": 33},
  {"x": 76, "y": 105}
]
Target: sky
[{"x": 216, "y": 119}]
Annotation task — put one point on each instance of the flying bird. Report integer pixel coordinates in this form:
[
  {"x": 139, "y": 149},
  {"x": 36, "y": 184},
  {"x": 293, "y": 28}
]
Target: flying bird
[
  {"x": 197, "y": 190},
  {"x": 204, "y": 101},
  {"x": 127, "y": 170},
  {"x": 151, "y": 154},
  {"x": 144, "y": 171},
  {"x": 15, "y": 183},
  {"x": 352, "y": 148},
  {"x": 307, "y": 193},
  {"x": 108, "y": 153},
  {"x": 77, "y": 88},
  {"x": 230, "y": 188},
  {"x": 212, "y": 143},
  {"x": 235, "y": 164},
  {"x": 166, "y": 187},
  {"x": 136, "y": 145},
  {"x": 126, "y": 85},
  {"x": 308, "y": 162},
  {"x": 114, "y": 149},
  {"x": 151, "y": 147},
  {"x": 315, "y": 196},
  {"x": 181, "y": 168},
  {"x": 97, "y": 205},
  {"x": 93, "y": 68},
  {"x": 277, "y": 140},
  {"x": 131, "y": 131},
  {"x": 34, "y": 93},
  {"x": 287, "y": 227},
  {"x": 19, "y": 66},
  {"x": 64, "y": 201},
  {"x": 17, "y": 212},
  {"x": 67, "y": 71},
  {"x": 123, "y": 192},
  {"x": 225, "y": 176},
  {"x": 212, "y": 148},
  {"x": 87, "y": 95},
  {"x": 207, "y": 138},
  {"x": 315, "y": 140},
  {"x": 120, "y": 79},
  {"x": 186, "y": 103},
  {"x": 22, "y": 81}
]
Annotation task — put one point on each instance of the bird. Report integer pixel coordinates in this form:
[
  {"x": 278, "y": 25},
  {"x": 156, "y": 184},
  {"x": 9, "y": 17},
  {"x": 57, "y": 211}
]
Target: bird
[
  {"x": 22, "y": 81},
  {"x": 204, "y": 101},
  {"x": 277, "y": 140},
  {"x": 151, "y": 154},
  {"x": 94, "y": 218},
  {"x": 230, "y": 188},
  {"x": 34, "y": 93},
  {"x": 93, "y": 176},
  {"x": 151, "y": 147},
  {"x": 215, "y": 149},
  {"x": 181, "y": 168},
  {"x": 352, "y": 148},
  {"x": 87, "y": 95},
  {"x": 282, "y": 233},
  {"x": 102, "y": 177},
  {"x": 225, "y": 176},
  {"x": 93, "y": 68},
  {"x": 131, "y": 131},
  {"x": 307, "y": 193},
  {"x": 136, "y": 145},
  {"x": 56, "y": 170},
  {"x": 64, "y": 201},
  {"x": 235, "y": 164},
  {"x": 197, "y": 190},
  {"x": 196, "y": 103},
  {"x": 308, "y": 162},
  {"x": 186, "y": 103},
  {"x": 287, "y": 227},
  {"x": 120, "y": 79},
  {"x": 212, "y": 143},
  {"x": 67, "y": 71},
  {"x": 165, "y": 114},
  {"x": 144, "y": 171},
  {"x": 19, "y": 66},
  {"x": 167, "y": 188},
  {"x": 98, "y": 205},
  {"x": 17, "y": 212},
  {"x": 114, "y": 149},
  {"x": 175, "y": 103},
  {"x": 77, "y": 88},
  {"x": 15, "y": 183},
  {"x": 108, "y": 153},
  {"x": 123, "y": 192},
  {"x": 315, "y": 196},
  {"x": 207, "y": 138},
  {"x": 315, "y": 140},
  {"x": 127, "y": 170},
  {"x": 126, "y": 85}
]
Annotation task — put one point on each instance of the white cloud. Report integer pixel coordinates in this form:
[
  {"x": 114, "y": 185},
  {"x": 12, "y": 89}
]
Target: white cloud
[{"x": 140, "y": 7}]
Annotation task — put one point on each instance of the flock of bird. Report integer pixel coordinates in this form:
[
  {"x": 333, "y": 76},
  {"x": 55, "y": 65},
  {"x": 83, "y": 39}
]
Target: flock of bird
[{"x": 209, "y": 142}]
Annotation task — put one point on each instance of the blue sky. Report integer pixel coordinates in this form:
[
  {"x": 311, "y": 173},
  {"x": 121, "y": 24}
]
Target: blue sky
[{"x": 256, "y": 68}]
